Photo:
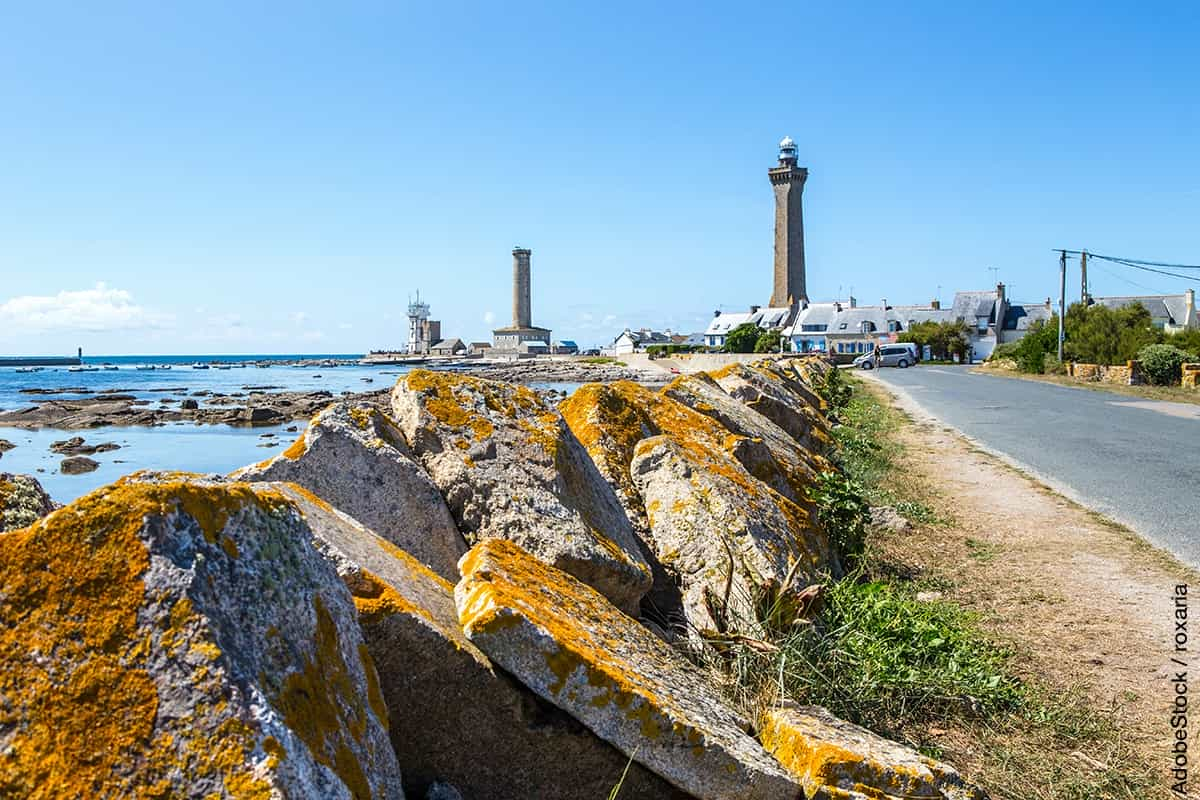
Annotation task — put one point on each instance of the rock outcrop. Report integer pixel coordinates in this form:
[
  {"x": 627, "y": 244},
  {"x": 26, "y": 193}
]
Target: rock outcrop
[
  {"x": 566, "y": 642},
  {"x": 455, "y": 718},
  {"x": 510, "y": 468},
  {"x": 23, "y": 501},
  {"x": 722, "y": 538},
  {"x": 168, "y": 636},
  {"x": 355, "y": 458},
  {"x": 836, "y": 760}
]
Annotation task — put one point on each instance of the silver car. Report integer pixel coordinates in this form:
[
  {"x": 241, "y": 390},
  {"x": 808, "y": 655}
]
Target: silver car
[{"x": 890, "y": 355}]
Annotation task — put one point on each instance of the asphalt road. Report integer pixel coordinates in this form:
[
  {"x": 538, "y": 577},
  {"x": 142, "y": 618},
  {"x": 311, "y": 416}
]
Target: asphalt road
[{"x": 1135, "y": 461}]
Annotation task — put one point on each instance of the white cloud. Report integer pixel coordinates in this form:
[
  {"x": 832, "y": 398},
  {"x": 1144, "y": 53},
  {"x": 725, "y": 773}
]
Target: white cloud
[{"x": 94, "y": 310}]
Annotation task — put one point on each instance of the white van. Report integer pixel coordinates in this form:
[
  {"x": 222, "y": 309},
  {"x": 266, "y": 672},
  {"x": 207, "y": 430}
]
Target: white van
[{"x": 901, "y": 354}]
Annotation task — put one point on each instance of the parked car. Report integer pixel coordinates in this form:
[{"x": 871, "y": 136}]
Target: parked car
[{"x": 890, "y": 355}]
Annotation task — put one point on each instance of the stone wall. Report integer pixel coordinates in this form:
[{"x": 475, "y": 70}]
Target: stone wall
[
  {"x": 1191, "y": 376},
  {"x": 1127, "y": 374}
]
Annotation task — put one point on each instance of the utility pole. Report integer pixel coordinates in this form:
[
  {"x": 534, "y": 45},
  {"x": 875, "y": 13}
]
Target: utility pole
[
  {"x": 1062, "y": 300},
  {"x": 1083, "y": 292}
]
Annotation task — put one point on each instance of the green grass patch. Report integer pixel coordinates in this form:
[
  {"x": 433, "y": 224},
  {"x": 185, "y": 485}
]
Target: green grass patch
[{"x": 983, "y": 552}]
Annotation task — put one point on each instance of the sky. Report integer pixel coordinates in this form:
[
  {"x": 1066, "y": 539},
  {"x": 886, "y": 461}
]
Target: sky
[{"x": 264, "y": 177}]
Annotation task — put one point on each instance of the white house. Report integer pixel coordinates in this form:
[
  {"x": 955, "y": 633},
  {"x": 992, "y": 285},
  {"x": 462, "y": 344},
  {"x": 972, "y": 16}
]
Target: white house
[{"x": 724, "y": 321}]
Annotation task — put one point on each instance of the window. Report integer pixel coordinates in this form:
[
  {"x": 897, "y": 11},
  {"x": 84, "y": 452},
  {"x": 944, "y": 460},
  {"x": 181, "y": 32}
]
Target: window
[
  {"x": 867, "y": 326},
  {"x": 813, "y": 327},
  {"x": 842, "y": 327},
  {"x": 893, "y": 326}
]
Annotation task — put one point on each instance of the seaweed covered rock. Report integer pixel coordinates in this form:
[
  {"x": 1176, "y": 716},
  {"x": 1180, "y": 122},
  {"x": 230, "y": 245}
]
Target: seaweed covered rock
[
  {"x": 785, "y": 401},
  {"x": 170, "y": 636},
  {"x": 570, "y": 645},
  {"x": 702, "y": 498},
  {"x": 455, "y": 718},
  {"x": 836, "y": 760},
  {"x": 354, "y": 457},
  {"x": 701, "y": 393},
  {"x": 23, "y": 501},
  {"x": 510, "y": 468}
]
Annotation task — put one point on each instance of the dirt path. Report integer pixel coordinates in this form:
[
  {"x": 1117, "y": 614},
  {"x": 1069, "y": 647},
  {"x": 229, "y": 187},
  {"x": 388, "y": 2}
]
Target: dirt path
[{"x": 1086, "y": 604}]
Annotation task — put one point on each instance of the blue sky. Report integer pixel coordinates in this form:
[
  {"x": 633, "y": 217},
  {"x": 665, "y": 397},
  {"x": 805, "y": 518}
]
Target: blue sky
[{"x": 279, "y": 177}]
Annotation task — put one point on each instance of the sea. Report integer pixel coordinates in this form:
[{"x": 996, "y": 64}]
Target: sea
[{"x": 174, "y": 446}]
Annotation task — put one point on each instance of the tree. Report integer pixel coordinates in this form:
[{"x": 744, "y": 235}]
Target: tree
[
  {"x": 1102, "y": 335},
  {"x": 742, "y": 339}
]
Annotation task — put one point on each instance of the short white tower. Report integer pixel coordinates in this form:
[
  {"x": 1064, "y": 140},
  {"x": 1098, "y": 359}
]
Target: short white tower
[{"x": 418, "y": 314}]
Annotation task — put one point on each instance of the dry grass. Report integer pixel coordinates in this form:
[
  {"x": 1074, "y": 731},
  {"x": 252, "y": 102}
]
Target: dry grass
[{"x": 1174, "y": 394}]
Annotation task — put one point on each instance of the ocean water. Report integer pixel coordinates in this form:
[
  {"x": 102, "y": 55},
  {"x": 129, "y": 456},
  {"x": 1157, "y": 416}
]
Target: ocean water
[{"x": 175, "y": 446}]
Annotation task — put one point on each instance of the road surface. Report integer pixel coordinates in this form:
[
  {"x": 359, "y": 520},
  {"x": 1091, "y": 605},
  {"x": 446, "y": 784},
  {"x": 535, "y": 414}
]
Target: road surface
[{"x": 1135, "y": 461}]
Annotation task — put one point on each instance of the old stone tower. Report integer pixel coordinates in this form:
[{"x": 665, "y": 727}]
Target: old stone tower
[
  {"x": 788, "y": 182},
  {"x": 522, "y": 316}
]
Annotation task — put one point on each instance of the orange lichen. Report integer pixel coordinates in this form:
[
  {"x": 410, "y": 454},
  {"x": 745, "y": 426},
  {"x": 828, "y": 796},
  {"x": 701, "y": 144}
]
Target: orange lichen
[
  {"x": 507, "y": 587},
  {"x": 298, "y": 448},
  {"x": 376, "y": 601},
  {"x": 82, "y": 706},
  {"x": 320, "y": 703}
]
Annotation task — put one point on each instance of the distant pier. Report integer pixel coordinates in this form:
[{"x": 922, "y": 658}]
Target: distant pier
[{"x": 40, "y": 361}]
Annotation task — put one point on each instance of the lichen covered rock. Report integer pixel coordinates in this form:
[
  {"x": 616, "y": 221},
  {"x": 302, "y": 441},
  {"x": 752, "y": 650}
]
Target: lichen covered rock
[
  {"x": 455, "y": 718},
  {"x": 702, "y": 498},
  {"x": 787, "y": 402},
  {"x": 510, "y": 468},
  {"x": 567, "y": 643},
  {"x": 701, "y": 393},
  {"x": 169, "y": 636},
  {"x": 836, "y": 760},
  {"x": 23, "y": 501},
  {"x": 355, "y": 458}
]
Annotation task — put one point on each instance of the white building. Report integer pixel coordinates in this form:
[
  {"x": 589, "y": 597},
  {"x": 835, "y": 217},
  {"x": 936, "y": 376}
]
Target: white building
[{"x": 723, "y": 322}]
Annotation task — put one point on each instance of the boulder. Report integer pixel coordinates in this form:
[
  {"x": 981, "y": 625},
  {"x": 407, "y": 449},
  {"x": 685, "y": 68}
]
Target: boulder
[
  {"x": 189, "y": 405},
  {"x": 787, "y": 402},
  {"x": 737, "y": 546},
  {"x": 701, "y": 393},
  {"x": 836, "y": 760},
  {"x": 23, "y": 501},
  {"x": 568, "y": 644},
  {"x": 170, "y": 636},
  {"x": 261, "y": 415},
  {"x": 5, "y": 446},
  {"x": 455, "y": 718},
  {"x": 510, "y": 468},
  {"x": 77, "y": 465},
  {"x": 354, "y": 457},
  {"x": 693, "y": 491}
]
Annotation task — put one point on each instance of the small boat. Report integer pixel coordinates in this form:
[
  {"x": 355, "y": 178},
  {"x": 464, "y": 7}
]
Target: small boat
[
  {"x": 83, "y": 368},
  {"x": 111, "y": 367},
  {"x": 26, "y": 369},
  {"x": 367, "y": 380},
  {"x": 224, "y": 366},
  {"x": 198, "y": 365},
  {"x": 162, "y": 366},
  {"x": 146, "y": 367}
]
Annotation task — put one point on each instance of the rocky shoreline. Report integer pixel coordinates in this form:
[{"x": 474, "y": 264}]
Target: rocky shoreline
[
  {"x": 268, "y": 405},
  {"x": 466, "y": 589}
]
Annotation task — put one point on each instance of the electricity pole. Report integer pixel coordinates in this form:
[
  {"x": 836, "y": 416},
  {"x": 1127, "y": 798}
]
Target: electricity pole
[
  {"x": 1062, "y": 300},
  {"x": 1083, "y": 292}
]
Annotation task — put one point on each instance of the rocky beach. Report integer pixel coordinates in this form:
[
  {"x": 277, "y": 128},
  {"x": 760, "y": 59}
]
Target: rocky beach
[{"x": 463, "y": 588}]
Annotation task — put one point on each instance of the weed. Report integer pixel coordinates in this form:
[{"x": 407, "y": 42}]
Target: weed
[{"x": 983, "y": 552}]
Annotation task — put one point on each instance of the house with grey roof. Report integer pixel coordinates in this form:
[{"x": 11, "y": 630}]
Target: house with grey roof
[
  {"x": 1170, "y": 312},
  {"x": 768, "y": 319}
]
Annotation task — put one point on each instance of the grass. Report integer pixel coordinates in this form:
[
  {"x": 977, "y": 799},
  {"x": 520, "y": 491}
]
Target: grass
[
  {"x": 1174, "y": 394},
  {"x": 925, "y": 671},
  {"x": 603, "y": 360}
]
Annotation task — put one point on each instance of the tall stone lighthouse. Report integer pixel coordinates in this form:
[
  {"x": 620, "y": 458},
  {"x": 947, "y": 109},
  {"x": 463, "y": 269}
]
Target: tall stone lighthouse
[
  {"x": 788, "y": 181},
  {"x": 522, "y": 336}
]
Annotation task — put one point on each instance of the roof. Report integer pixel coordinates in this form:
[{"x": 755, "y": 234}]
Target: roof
[
  {"x": 567, "y": 343},
  {"x": 448, "y": 344},
  {"x": 972, "y": 305},
  {"x": 1172, "y": 307},
  {"x": 836, "y": 315},
  {"x": 767, "y": 318},
  {"x": 1019, "y": 316}
]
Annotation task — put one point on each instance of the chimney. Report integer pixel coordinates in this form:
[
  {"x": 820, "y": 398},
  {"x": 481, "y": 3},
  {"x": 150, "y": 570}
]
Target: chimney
[
  {"x": 1049, "y": 305},
  {"x": 883, "y": 304},
  {"x": 936, "y": 305},
  {"x": 753, "y": 309},
  {"x": 1189, "y": 302},
  {"x": 853, "y": 303},
  {"x": 838, "y": 307}
]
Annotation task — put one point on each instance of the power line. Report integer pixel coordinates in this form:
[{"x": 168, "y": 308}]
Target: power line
[{"x": 1139, "y": 264}]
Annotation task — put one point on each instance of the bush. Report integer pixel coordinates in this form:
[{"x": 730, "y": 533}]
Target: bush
[
  {"x": 945, "y": 339},
  {"x": 768, "y": 342},
  {"x": 842, "y": 512},
  {"x": 1161, "y": 363},
  {"x": 1101, "y": 335},
  {"x": 834, "y": 389},
  {"x": 742, "y": 339},
  {"x": 1031, "y": 355}
]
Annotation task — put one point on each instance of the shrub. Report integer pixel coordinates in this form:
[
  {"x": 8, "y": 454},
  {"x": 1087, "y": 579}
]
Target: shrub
[
  {"x": 1161, "y": 363},
  {"x": 1101, "y": 335},
  {"x": 834, "y": 389},
  {"x": 1031, "y": 355},
  {"x": 842, "y": 512},
  {"x": 742, "y": 339},
  {"x": 768, "y": 342}
]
